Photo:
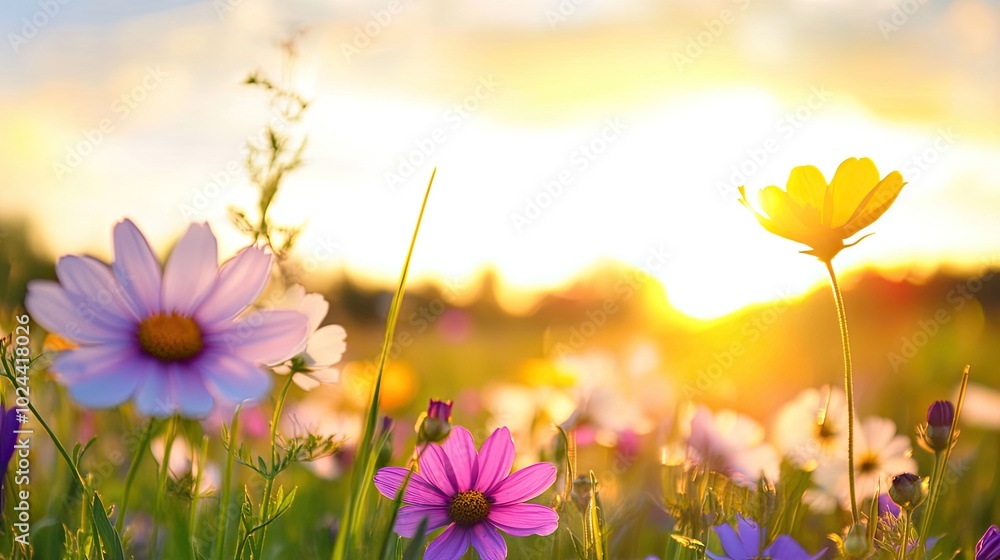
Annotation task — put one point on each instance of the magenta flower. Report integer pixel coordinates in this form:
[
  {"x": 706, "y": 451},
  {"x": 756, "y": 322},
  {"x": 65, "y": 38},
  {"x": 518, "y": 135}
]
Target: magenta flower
[
  {"x": 473, "y": 494},
  {"x": 176, "y": 340},
  {"x": 746, "y": 543}
]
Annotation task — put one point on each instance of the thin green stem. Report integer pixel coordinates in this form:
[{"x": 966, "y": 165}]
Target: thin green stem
[
  {"x": 161, "y": 481},
  {"x": 222, "y": 519},
  {"x": 904, "y": 543},
  {"x": 848, "y": 385},
  {"x": 197, "y": 462},
  {"x": 133, "y": 470},
  {"x": 55, "y": 440},
  {"x": 265, "y": 507}
]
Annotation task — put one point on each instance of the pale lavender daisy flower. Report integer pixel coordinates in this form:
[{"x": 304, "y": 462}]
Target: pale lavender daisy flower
[
  {"x": 175, "y": 340},
  {"x": 473, "y": 494}
]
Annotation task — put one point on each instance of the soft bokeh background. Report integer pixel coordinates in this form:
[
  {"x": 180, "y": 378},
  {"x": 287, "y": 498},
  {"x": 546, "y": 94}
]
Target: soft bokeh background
[{"x": 583, "y": 250}]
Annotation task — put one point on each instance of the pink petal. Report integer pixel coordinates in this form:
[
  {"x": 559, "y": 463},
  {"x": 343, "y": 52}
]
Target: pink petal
[
  {"x": 521, "y": 520},
  {"x": 136, "y": 269},
  {"x": 437, "y": 470},
  {"x": 191, "y": 270},
  {"x": 100, "y": 376},
  {"x": 410, "y": 517},
  {"x": 495, "y": 459},
  {"x": 241, "y": 279},
  {"x": 232, "y": 379},
  {"x": 92, "y": 281},
  {"x": 418, "y": 490},
  {"x": 524, "y": 484},
  {"x": 461, "y": 451},
  {"x": 450, "y": 545},
  {"x": 488, "y": 542},
  {"x": 264, "y": 337},
  {"x": 59, "y": 312}
]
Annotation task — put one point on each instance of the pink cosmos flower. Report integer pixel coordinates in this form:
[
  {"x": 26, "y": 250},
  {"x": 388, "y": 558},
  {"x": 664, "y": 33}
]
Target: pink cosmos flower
[
  {"x": 176, "y": 339},
  {"x": 473, "y": 494}
]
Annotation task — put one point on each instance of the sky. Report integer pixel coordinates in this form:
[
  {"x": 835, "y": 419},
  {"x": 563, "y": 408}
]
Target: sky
[{"x": 566, "y": 133}]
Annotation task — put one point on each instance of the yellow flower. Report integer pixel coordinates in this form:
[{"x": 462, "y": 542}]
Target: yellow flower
[{"x": 822, "y": 216}]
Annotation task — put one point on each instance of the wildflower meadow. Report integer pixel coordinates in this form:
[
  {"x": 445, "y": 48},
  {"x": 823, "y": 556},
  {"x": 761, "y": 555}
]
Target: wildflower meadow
[{"x": 230, "y": 372}]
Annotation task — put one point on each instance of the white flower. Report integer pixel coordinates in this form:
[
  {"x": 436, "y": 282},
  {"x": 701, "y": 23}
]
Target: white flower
[
  {"x": 982, "y": 407},
  {"x": 879, "y": 454},
  {"x": 812, "y": 428},
  {"x": 325, "y": 346},
  {"x": 184, "y": 461},
  {"x": 732, "y": 444}
]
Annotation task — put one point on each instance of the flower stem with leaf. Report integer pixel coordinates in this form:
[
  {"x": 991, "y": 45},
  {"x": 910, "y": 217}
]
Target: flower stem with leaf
[{"x": 265, "y": 506}]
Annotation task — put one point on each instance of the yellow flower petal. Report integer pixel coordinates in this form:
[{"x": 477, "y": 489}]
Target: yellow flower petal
[
  {"x": 782, "y": 210},
  {"x": 853, "y": 181},
  {"x": 807, "y": 186},
  {"x": 875, "y": 204}
]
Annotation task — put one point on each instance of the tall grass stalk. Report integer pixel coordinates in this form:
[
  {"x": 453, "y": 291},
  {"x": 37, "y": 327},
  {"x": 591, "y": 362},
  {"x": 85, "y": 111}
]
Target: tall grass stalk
[{"x": 364, "y": 466}]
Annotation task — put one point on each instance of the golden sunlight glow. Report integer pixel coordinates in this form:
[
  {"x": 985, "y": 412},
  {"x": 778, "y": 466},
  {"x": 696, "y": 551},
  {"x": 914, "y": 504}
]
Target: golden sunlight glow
[{"x": 539, "y": 178}]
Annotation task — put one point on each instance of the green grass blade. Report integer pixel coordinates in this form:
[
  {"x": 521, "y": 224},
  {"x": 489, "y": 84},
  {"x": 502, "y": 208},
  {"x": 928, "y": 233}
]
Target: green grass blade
[
  {"x": 110, "y": 541},
  {"x": 359, "y": 485}
]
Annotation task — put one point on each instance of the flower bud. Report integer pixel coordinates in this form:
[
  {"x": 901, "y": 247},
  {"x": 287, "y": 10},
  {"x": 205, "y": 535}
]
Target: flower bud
[
  {"x": 435, "y": 424},
  {"x": 939, "y": 418},
  {"x": 989, "y": 546},
  {"x": 856, "y": 543},
  {"x": 907, "y": 490},
  {"x": 581, "y": 492}
]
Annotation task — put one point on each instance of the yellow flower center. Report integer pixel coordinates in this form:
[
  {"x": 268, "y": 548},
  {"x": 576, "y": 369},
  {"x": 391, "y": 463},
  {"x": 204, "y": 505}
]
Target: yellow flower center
[
  {"x": 468, "y": 508},
  {"x": 170, "y": 337},
  {"x": 869, "y": 463}
]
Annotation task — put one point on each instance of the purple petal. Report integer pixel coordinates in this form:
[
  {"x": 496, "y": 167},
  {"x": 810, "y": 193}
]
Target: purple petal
[
  {"x": 191, "y": 270},
  {"x": 194, "y": 400},
  {"x": 241, "y": 279},
  {"x": 264, "y": 337},
  {"x": 8, "y": 439},
  {"x": 101, "y": 376},
  {"x": 488, "y": 542},
  {"x": 524, "y": 484},
  {"x": 786, "y": 548},
  {"x": 521, "y": 520},
  {"x": 495, "y": 459},
  {"x": 988, "y": 547},
  {"x": 56, "y": 310},
  {"x": 436, "y": 469},
  {"x": 750, "y": 535},
  {"x": 716, "y": 556},
  {"x": 155, "y": 396},
  {"x": 410, "y": 517},
  {"x": 450, "y": 545},
  {"x": 92, "y": 282},
  {"x": 232, "y": 379},
  {"x": 731, "y": 543},
  {"x": 136, "y": 269},
  {"x": 461, "y": 451},
  {"x": 418, "y": 490},
  {"x": 170, "y": 388}
]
